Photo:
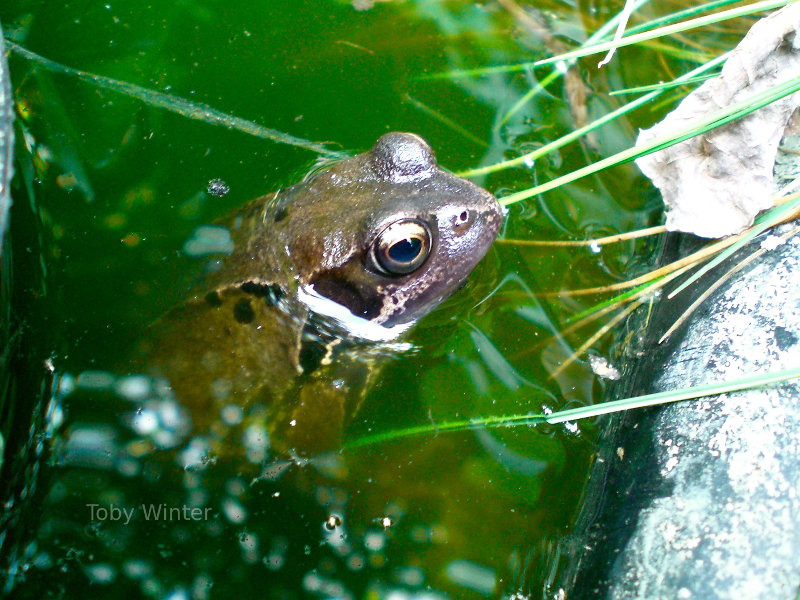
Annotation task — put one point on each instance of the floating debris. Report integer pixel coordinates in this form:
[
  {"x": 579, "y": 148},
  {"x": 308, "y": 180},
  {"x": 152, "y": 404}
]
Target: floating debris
[
  {"x": 602, "y": 368},
  {"x": 714, "y": 184},
  {"x": 332, "y": 522},
  {"x": 472, "y": 576},
  {"x": 209, "y": 239},
  {"x": 134, "y": 387},
  {"x": 218, "y": 188},
  {"x": 95, "y": 380},
  {"x": 101, "y": 573},
  {"x": 234, "y": 511}
]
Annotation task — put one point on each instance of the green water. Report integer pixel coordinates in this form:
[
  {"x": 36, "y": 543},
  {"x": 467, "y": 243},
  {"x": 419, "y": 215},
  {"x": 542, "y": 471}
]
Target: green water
[{"x": 119, "y": 186}]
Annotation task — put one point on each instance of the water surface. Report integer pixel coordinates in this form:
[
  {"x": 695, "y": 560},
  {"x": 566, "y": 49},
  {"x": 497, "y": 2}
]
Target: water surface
[{"x": 112, "y": 183}]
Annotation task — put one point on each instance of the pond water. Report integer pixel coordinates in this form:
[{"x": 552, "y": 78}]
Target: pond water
[{"x": 112, "y": 179}]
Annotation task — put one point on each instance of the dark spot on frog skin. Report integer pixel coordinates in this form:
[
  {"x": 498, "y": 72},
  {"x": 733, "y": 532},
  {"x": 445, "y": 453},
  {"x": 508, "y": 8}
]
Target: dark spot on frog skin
[
  {"x": 243, "y": 312},
  {"x": 311, "y": 354},
  {"x": 271, "y": 293},
  {"x": 280, "y": 207},
  {"x": 314, "y": 347},
  {"x": 280, "y": 214},
  {"x": 213, "y": 299}
]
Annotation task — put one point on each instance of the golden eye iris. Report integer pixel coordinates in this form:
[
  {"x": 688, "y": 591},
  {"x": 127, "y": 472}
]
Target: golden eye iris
[{"x": 402, "y": 247}]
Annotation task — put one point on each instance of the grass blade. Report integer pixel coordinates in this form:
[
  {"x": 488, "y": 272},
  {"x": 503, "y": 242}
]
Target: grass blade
[
  {"x": 176, "y": 104},
  {"x": 711, "y": 389},
  {"x": 560, "y": 69},
  {"x": 715, "y": 119},
  {"x": 769, "y": 219},
  {"x": 583, "y": 412},
  {"x": 530, "y": 157},
  {"x": 668, "y": 30}
]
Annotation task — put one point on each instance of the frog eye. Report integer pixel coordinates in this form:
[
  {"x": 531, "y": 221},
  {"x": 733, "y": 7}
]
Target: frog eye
[{"x": 402, "y": 247}]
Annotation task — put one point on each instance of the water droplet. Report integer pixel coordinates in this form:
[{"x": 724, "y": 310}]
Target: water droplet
[{"x": 218, "y": 188}]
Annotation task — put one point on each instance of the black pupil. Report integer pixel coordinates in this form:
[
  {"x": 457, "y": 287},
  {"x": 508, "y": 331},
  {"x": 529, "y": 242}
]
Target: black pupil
[{"x": 405, "y": 251}]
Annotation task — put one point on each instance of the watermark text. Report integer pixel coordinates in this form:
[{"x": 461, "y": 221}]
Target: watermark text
[{"x": 150, "y": 512}]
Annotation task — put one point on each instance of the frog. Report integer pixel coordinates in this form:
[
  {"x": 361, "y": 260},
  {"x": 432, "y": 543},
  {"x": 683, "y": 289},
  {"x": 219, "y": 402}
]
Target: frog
[{"x": 324, "y": 275}]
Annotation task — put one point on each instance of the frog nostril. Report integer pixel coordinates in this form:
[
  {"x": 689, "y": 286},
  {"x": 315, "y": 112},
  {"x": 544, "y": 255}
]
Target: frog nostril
[{"x": 462, "y": 219}]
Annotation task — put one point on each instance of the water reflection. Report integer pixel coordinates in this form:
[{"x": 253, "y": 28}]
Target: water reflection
[
  {"x": 226, "y": 514},
  {"x": 132, "y": 502}
]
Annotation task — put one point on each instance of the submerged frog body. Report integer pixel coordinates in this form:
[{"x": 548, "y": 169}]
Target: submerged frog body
[{"x": 355, "y": 253}]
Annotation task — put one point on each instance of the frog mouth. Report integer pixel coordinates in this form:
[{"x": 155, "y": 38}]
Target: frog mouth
[
  {"x": 340, "y": 291},
  {"x": 339, "y": 315}
]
